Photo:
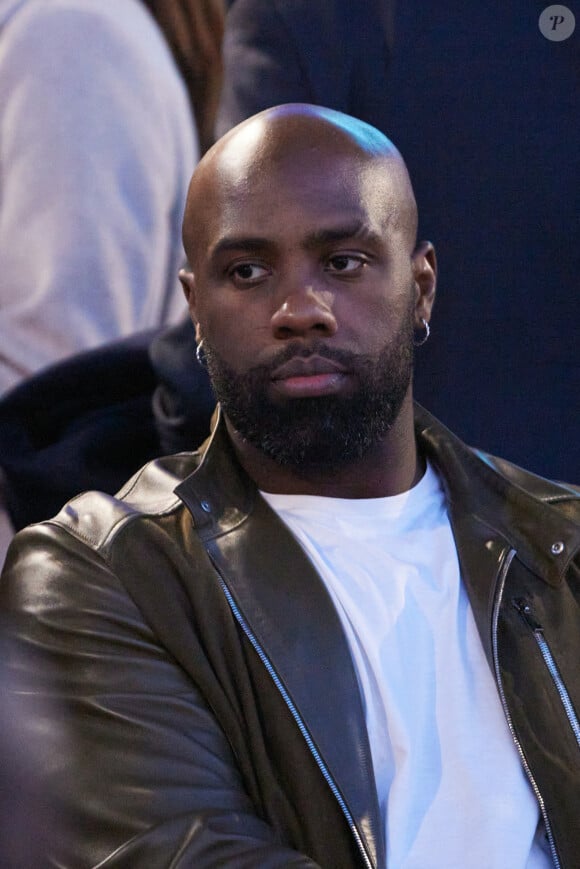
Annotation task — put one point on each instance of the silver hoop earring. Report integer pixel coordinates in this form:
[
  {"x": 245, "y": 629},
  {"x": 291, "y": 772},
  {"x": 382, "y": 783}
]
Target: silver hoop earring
[
  {"x": 425, "y": 337},
  {"x": 200, "y": 354}
]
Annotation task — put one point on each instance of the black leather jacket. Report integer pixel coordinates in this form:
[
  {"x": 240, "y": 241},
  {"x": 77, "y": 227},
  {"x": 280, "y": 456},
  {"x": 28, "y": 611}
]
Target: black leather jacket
[{"x": 210, "y": 702}]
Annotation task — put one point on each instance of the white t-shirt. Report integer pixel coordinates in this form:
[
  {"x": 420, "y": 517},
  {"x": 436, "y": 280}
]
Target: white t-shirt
[{"x": 452, "y": 790}]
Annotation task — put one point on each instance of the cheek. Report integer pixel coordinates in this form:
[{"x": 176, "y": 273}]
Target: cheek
[
  {"x": 234, "y": 331},
  {"x": 374, "y": 317},
  {"x": 221, "y": 326}
]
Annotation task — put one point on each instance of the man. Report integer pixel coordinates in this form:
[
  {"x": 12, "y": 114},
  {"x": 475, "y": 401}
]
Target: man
[{"x": 336, "y": 636}]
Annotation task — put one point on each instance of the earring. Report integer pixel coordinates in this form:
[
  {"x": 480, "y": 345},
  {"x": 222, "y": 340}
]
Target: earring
[
  {"x": 200, "y": 354},
  {"x": 425, "y": 337}
]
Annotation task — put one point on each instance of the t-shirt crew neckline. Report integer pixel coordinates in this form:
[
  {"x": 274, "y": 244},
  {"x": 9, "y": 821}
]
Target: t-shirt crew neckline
[{"x": 409, "y": 504}]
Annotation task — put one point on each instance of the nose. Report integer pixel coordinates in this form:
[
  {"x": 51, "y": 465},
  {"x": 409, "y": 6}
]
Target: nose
[{"x": 304, "y": 311}]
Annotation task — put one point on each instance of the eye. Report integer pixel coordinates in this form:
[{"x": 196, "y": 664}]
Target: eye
[
  {"x": 248, "y": 273},
  {"x": 346, "y": 264}
]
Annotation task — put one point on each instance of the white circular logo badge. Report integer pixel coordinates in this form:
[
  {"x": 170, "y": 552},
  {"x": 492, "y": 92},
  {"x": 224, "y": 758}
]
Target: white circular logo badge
[{"x": 557, "y": 23}]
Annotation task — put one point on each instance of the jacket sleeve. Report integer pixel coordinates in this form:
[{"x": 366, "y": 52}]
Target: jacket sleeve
[{"x": 147, "y": 777}]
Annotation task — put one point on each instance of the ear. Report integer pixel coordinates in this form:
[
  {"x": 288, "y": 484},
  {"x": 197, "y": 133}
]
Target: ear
[
  {"x": 424, "y": 265},
  {"x": 187, "y": 279}
]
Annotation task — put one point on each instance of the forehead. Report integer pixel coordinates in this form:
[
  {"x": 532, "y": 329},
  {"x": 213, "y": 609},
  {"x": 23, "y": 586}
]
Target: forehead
[{"x": 283, "y": 195}]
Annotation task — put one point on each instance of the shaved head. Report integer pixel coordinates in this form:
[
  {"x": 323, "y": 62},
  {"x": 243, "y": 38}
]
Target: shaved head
[
  {"x": 298, "y": 139},
  {"x": 306, "y": 286}
]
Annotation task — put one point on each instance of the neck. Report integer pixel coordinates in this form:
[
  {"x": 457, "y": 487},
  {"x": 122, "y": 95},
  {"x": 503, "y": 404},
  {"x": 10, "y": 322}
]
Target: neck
[{"x": 392, "y": 467}]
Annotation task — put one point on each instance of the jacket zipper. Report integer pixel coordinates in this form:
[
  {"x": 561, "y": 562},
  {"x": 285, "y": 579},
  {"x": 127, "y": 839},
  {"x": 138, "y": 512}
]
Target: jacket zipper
[
  {"x": 297, "y": 718},
  {"x": 526, "y": 613},
  {"x": 496, "y": 608}
]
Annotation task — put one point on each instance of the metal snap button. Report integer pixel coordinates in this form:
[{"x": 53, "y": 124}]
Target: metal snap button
[
  {"x": 557, "y": 548},
  {"x": 205, "y": 506}
]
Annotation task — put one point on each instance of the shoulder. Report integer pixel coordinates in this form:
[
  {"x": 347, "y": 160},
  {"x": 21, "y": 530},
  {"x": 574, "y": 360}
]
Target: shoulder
[
  {"x": 547, "y": 490},
  {"x": 106, "y": 557},
  {"x": 96, "y": 518},
  {"x": 476, "y": 476},
  {"x": 89, "y": 526},
  {"x": 85, "y": 544},
  {"x": 565, "y": 496}
]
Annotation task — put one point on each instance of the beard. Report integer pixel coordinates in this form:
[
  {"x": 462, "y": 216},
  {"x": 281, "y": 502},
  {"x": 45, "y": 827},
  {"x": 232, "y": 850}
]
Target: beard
[{"x": 318, "y": 435}]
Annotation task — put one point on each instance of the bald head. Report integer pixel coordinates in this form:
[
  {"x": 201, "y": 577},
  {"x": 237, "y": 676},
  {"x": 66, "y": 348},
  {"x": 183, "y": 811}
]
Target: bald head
[
  {"x": 300, "y": 232},
  {"x": 298, "y": 141}
]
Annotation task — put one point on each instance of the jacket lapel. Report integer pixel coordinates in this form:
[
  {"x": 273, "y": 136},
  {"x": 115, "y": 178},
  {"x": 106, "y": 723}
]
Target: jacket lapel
[{"x": 288, "y": 610}]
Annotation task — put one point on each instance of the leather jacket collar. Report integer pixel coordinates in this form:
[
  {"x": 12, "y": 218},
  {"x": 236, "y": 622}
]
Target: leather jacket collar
[{"x": 517, "y": 506}]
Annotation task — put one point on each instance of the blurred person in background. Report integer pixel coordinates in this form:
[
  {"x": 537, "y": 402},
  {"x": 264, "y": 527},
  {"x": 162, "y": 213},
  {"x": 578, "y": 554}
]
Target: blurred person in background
[
  {"x": 194, "y": 30},
  {"x": 334, "y": 53},
  {"x": 97, "y": 144}
]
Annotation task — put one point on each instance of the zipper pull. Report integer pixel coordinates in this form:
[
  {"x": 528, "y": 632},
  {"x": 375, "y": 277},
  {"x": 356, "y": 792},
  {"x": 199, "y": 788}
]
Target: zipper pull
[{"x": 526, "y": 613}]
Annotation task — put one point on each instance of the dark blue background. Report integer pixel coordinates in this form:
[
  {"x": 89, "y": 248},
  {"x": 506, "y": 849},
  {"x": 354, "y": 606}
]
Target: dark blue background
[{"x": 486, "y": 111}]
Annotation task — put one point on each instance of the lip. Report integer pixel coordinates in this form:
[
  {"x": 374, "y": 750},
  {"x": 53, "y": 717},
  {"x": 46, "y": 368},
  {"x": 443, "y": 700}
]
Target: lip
[
  {"x": 307, "y": 366},
  {"x": 309, "y": 377}
]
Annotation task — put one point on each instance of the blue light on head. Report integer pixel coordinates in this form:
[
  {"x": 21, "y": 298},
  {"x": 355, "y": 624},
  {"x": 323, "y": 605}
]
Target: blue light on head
[{"x": 364, "y": 135}]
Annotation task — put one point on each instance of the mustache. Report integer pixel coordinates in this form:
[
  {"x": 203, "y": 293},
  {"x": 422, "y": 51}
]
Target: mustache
[{"x": 297, "y": 350}]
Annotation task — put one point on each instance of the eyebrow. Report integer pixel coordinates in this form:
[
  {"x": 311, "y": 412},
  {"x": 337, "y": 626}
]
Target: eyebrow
[
  {"x": 318, "y": 238},
  {"x": 358, "y": 230},
  {"x": 246, "y": 243}
]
